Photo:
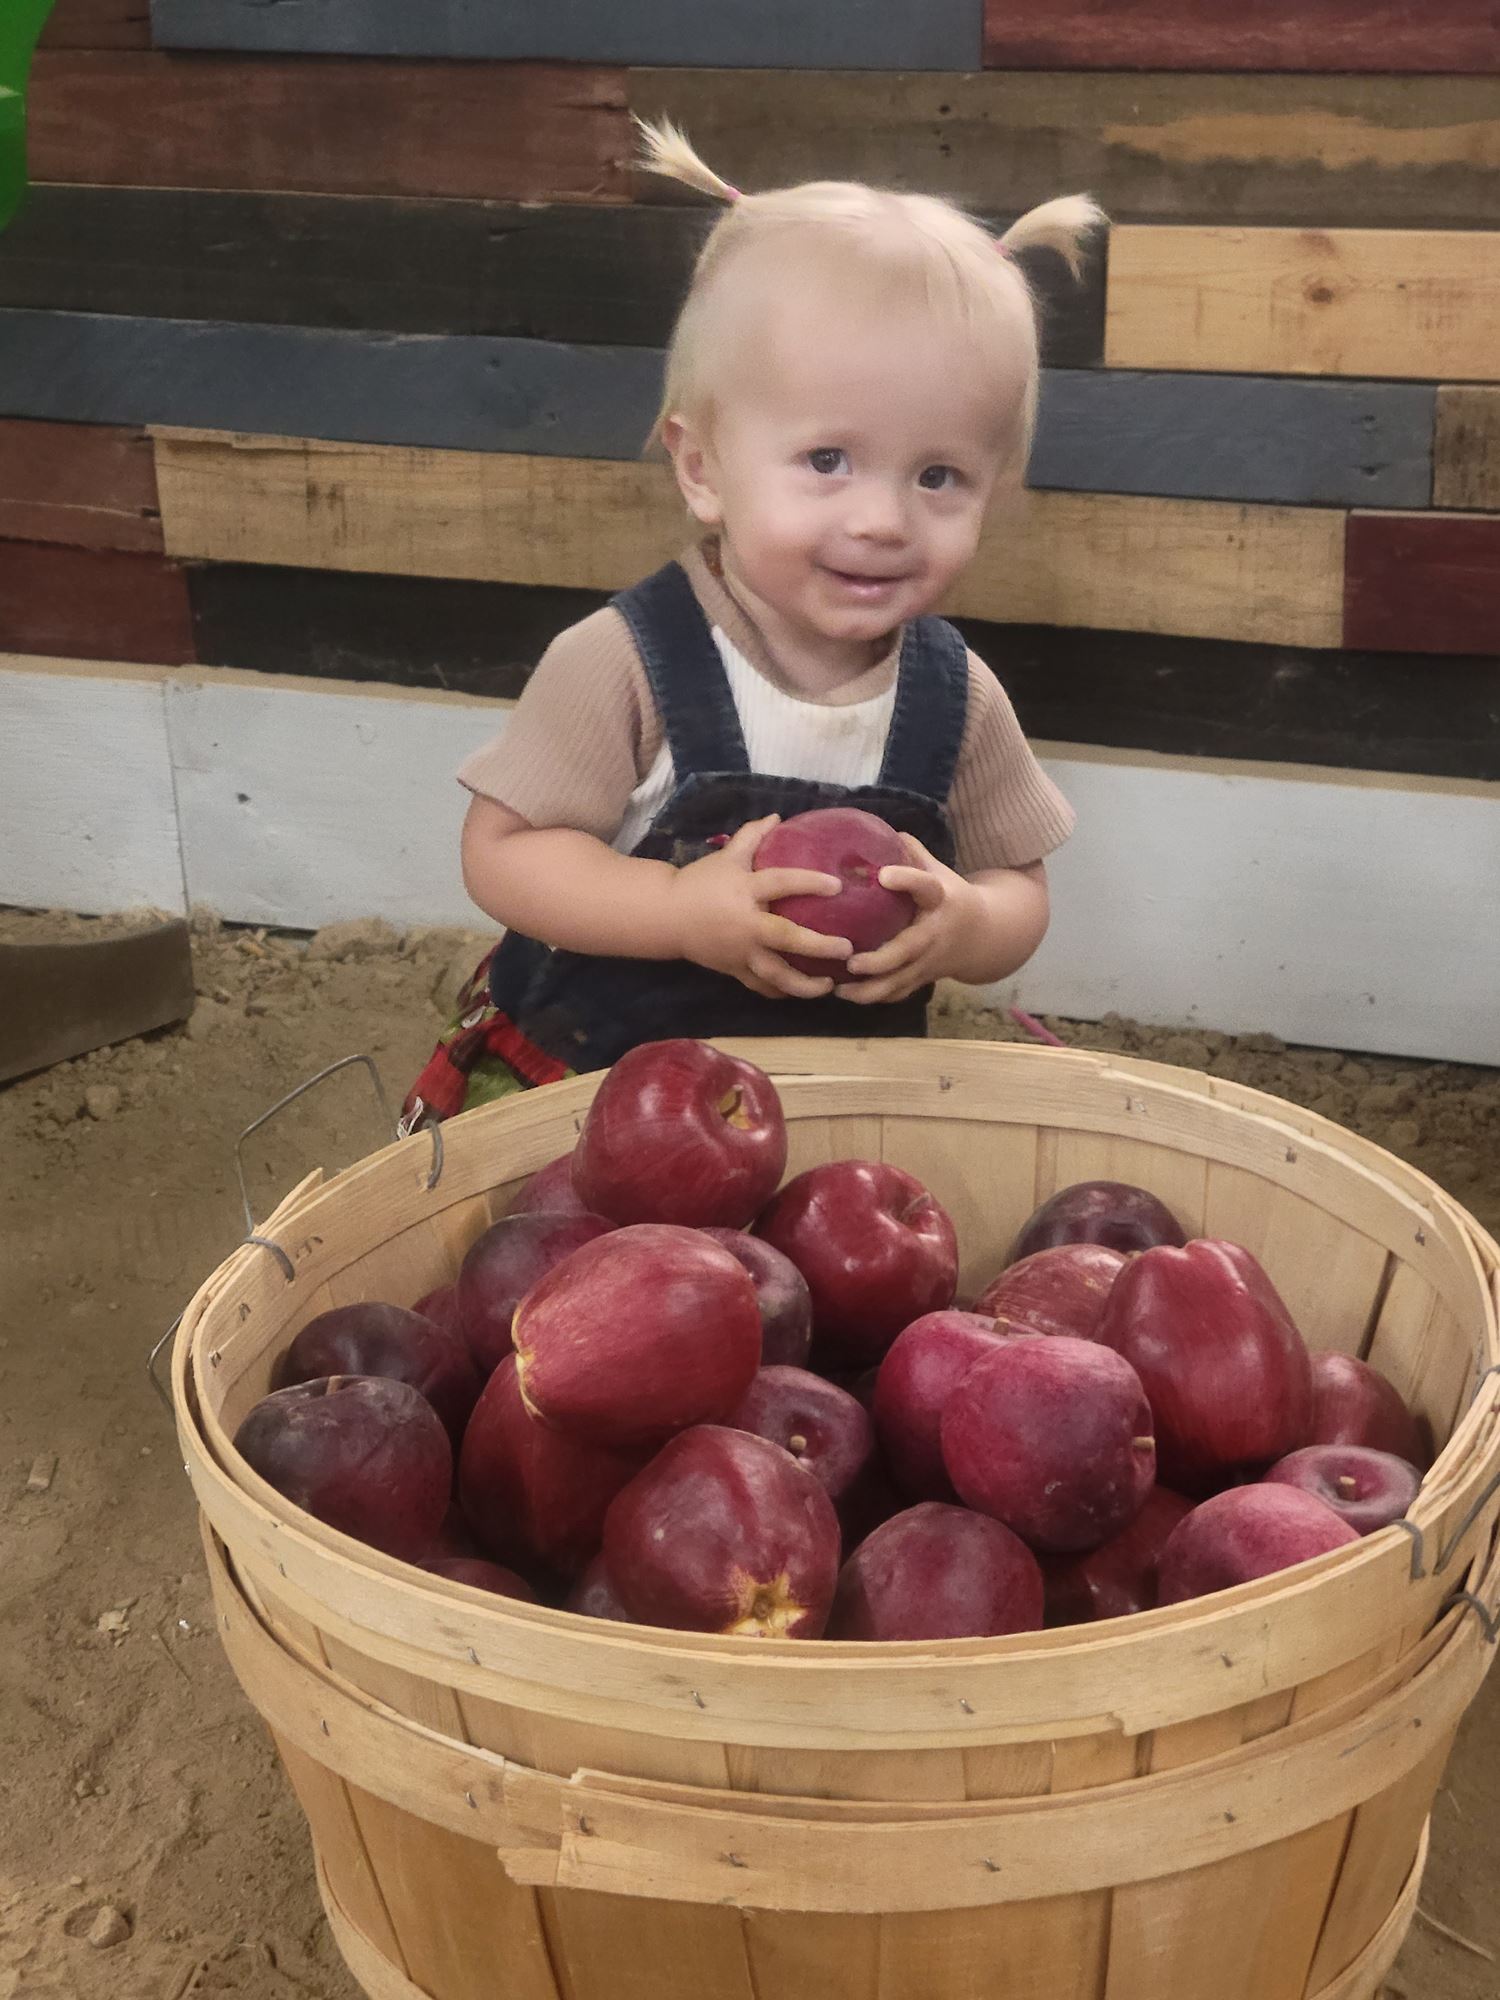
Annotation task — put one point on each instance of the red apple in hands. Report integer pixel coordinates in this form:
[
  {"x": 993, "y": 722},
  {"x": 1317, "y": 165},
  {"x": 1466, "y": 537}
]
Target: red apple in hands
[
  {"x": 1119, "y": 1577},
  {"x": 364, "y": 1453},
  {"x": 823, "y": 1427},
  {"x": 926, "y": 1363},
  {"x": 594, "y": 1596},
  {"x": 876, "y": 1249},
  {"x": 1225, "y": 1369},
  {"x": 1114, "y": 1213},
  {"x": 854, "y": 846},
  {"x": 1053, "y": 1291},
  {"x": 1368, "y": 1489},
  {"x": 1247, "y": 1532},
  {"x": 374, "y": 1339},
  {"x": 724, "y": 1532},
  {"x": 637, "y": 1335},
  {"x": 532, "y": 1492},
  {"x": 1353, "y": 1403},
  {"x": 501, "y": 1267},
  {"x": 550, "y": 1191},
  {"x": 1052, "y": 1437},
  {"x": 680, "y": 1132},
  {"x": 481, "y": 1575},
  {"x": 781, "y": 1293},
  {"x": 937, "y": 1572}
]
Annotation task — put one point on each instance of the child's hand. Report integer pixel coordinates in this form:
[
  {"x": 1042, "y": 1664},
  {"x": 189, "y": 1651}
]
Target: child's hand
[
  {"x": 932, "y": 942},
  {"x": 725, "y": 923}
]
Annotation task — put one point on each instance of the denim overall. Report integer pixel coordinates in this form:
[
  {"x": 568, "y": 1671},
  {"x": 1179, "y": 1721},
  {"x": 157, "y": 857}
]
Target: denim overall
[{"x": 583, "y": 1012}]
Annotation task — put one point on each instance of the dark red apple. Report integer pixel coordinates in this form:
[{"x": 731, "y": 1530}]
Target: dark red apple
[
  {"x": 926, "y": 1363},
  {"x": 1052, "y": 1437},
  {"x": 1353, "y": 1403},
  {"x": 1113, "y": 1213},
  {"x": 1119, "y": 1577},
  {"x": 680, "y": 1132},
  {"x": 501, "y": 1267},
  {"x": 364, "y": 1453},
  {"x": 530, "y": 1492},
  {"x": 782, "y": 1294},
  {"x": 854, "y": 846},
  {"x": 455, "y": 1537},
  {"x": 937, "y": 1572},
  {"x": 481, "y": 1575},
  {"x": 442, "y": 1306},
  {"x": 640, "y": 1334},
  {"x": 1247, "y": 1532},
  {"x": 550, "y": 1191},
  {"x": 594, "y": 1596},
  {"x": 1368, "y": 1489},
  {"x": 872, "y": 1499},
  {"x": 1054, "y": 1291},
  {"x": 876, "y": 1249},
  {"x": 822, "y": 1426},
  {"x": 724, "y": 1532},
  {"x": 406, "y": 1346},
  {"x": 1228, "y": 1376}
]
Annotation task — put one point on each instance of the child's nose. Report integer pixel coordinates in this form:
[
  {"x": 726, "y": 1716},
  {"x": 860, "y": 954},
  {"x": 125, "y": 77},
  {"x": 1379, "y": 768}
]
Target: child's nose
[{"x": 877, "y": 511}]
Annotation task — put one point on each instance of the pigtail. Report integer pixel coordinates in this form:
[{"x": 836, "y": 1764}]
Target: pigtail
[
  {"x": 1059, "y": 225},
  {"x": 667, "y": 150}
]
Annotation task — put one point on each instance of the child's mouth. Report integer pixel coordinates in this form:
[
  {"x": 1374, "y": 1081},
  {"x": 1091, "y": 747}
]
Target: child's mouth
[{"x": 859, "y": 585}]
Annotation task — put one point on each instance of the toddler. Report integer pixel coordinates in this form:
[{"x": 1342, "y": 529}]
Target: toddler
[{"x": 851, "y": 381}]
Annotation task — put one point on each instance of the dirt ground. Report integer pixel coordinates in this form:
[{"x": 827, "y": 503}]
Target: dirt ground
[{"x": 148, "y": 1848}]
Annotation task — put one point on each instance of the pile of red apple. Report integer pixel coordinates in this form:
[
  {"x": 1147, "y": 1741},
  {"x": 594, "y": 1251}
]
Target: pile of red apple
[{"x": 668, "y": 1389}]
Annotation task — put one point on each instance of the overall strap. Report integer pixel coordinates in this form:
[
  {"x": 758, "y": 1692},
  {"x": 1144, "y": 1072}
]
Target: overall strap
[
  {"x": 686, "y": 674},
  {"x": 932, "y": 704}
]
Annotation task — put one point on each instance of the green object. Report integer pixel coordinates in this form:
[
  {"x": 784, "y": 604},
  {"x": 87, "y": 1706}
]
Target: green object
[{"x": 21, "y": 21}]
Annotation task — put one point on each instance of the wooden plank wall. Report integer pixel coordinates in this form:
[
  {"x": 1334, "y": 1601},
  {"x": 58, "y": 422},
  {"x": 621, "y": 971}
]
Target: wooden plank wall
[{"x": 329, "y": 336}]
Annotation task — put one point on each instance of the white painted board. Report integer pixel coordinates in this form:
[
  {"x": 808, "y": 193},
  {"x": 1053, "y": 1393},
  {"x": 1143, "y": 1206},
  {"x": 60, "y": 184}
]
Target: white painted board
[
  {"x": 1353, "y": 910},
  {"x": 87, "y": 816},
  {"x": 301, "y": 805}
]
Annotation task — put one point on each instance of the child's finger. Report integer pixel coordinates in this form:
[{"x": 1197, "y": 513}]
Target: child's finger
[
  {"x": 784, "y": 979},
  {"x": 905, "y": 948},
  {"x": 925, "y": 890},
  {"x": 917, "y": 851},
  {"x": 781, "y": 934},
  {"x": 771, "y": 884},
  {"x": 742, "y": 845}
]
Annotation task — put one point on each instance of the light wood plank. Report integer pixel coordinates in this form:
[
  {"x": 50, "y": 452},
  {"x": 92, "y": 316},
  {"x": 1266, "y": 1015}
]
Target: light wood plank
[
  {"x": 1466, "y": 449},
  {"x": 1051, "y": 1949},
  {"x": 1418, "y": 304},
  {"x": 635, "y": 1948},
  {"x": 1384, "y": 1840},
  {"x": 1267, "y": 573},
  {"x": 340, "y": 1845}
]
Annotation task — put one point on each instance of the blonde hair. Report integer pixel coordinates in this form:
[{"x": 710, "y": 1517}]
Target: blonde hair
[{"x": 916, "y": 246}]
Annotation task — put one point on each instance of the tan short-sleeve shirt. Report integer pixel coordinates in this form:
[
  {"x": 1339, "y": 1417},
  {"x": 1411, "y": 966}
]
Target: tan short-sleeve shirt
[{"x": 586, "y": 732}]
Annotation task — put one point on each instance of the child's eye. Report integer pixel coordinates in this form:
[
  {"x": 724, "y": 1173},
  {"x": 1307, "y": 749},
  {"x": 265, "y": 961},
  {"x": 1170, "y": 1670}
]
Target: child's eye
[
  {"x": 828, "y": 459},
  {"x": 934, "y": 478}
]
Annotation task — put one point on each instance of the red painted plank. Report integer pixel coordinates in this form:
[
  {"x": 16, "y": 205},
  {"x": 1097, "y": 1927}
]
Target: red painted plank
[
  {"x": 94, "y": 604},
  {"x": 1422, "y": 583},
  {"x": 1431, "y": 36},
  {"x": 87, "y": 485},
  {"x": 98, "y": 24},
  {"x": 523, "y": 131}
]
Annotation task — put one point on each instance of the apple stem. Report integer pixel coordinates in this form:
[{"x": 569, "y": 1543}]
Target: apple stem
[
  {"x": 732, "y": 1108},
  {"x": 1143, "y": 1444},
  {"x": 1347, "y": 1485},
  {"x": 796, "y": 1445}
]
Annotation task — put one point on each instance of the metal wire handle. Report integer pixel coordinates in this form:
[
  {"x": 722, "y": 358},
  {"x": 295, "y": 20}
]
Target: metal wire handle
[
  {"x": 344, "y": 1062},
  {"x": 151, "y": 1375}
]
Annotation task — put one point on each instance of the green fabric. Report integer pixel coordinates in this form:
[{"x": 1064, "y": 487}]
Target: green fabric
[{"x": 21, "y": 21}]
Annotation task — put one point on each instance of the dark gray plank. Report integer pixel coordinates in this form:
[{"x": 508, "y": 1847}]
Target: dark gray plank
[
  {"x": 727, "y": 34},
  {"x": 1127, "y": 690},
  {"x": 553, "y": 271},
  {"x": 1231, "y": 437},
  {"x": 1236, "y": 437},
  {"x": 64, "y": 997},
  {"x": 464, "y": 393}
]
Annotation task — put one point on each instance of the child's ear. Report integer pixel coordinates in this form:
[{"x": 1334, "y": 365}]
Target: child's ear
[{"x": 692, "y": 461}]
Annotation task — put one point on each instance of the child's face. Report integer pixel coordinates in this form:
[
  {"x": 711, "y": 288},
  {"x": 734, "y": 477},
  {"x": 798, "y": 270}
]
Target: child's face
[{"x": 847, "y": 467}]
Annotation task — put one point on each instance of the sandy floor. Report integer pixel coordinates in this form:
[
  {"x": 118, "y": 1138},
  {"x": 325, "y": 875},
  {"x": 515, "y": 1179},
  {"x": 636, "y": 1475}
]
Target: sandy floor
[{"x": 148, "y": 1848}]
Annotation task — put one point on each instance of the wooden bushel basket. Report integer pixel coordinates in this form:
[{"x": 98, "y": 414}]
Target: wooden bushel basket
[{"x": 1227, "y": 1798}]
